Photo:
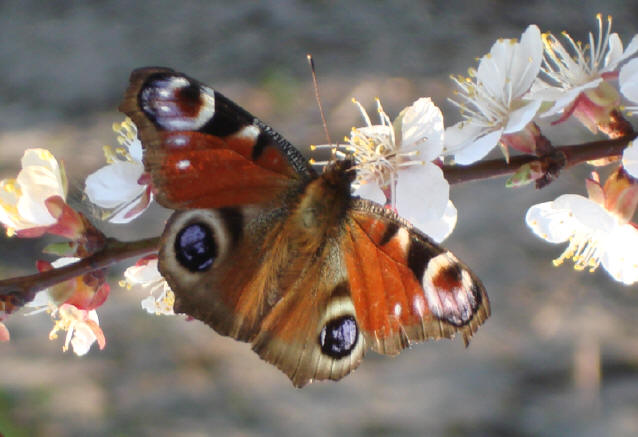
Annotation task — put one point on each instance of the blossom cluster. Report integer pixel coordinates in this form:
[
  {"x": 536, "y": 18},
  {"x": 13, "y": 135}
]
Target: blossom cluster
[{"x": 400, "y": 164}]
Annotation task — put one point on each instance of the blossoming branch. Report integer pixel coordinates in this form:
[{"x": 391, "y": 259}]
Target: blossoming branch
[{"x": 406, "y": 163}]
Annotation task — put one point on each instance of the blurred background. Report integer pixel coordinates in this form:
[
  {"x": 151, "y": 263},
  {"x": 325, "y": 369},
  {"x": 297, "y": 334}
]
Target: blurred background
[{"x": 558, "y": 357}]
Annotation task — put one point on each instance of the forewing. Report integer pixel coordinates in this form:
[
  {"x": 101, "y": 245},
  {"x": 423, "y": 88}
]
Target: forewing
[{"x": 204, "y": 151}]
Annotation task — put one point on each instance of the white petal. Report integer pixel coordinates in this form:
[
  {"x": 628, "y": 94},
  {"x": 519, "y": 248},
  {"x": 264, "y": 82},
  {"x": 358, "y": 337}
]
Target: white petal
[
  {"x": 630, "y": 159},
  {"x": 422, "y": 128},
  {"x": 64, "y": 261},
  {"x": 479, "y": 148},
  {"x": 628, "y": 80},
  {"x": 541, "y": 90},
  {"x": 422, "y": 193},
  {"x": 586, "y": 212},
  {"x": 149, "y": 304},
  {"x": 527, "y": 61},
  {"x": 621, "y": 257},
  {"x": 83, "y": 338},
  {"x": 370, "y": 191},
  {"x": 569, "y": 96},
  {"x": 439, "y": 229},
  {"x": 40, "y": 158},
  {"x": 631, "y": 49},
  {"x": 550, "y": 223},
  {"x": 37, "y": 185},
  {"x": 616, "y": 54},
  {"x": 493, "y": 69},
  {"x": 41, "y": 299},
  {"x": 375, "y": 130},
  {"x": 143, "y": 274},
  {"x": 114, "y": 184},
  {"x": 519, "y": 118},
  {"x": 123, "y": 213},
  {"x": 8, "y": 201},
  {"x": 461, "y": 135},
  {"x": 135, "y": 150}
]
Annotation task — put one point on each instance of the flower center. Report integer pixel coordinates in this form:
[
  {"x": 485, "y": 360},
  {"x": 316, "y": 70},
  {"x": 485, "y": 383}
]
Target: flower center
[
  {"x": 583, "y": 63},
  {"x": 584, "y": 250}
]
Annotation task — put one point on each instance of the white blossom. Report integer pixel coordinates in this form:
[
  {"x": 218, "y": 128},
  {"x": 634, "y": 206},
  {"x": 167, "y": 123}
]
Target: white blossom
[
  {"x": 575, "y": 68},
  {"x": 117, "y": 187},
  {"x": 146, "y": 275},
  {"x": 82, "y": 329},
  {"x": 492, "y": 99},
  {"x": 595, "y": 235},
  {"x": 395, "y": 168},
  {"x": 23, "y": 199}
]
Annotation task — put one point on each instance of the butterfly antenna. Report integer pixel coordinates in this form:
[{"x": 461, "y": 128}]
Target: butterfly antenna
[{"x": 315, "y": 84}]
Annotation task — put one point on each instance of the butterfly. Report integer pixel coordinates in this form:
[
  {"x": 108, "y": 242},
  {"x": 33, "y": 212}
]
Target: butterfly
[{"x": 264, "y": 249}]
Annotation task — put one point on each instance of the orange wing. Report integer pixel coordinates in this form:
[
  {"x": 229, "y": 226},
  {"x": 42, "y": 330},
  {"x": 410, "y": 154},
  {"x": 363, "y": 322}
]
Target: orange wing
[
  {"x": 204, "y": 151},
  {"x": 404, "y": 286}
]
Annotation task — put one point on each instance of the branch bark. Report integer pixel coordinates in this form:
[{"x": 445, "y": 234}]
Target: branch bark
[
  {"x": 21, "y": 290},
  {"x": 574, "y": 154}
]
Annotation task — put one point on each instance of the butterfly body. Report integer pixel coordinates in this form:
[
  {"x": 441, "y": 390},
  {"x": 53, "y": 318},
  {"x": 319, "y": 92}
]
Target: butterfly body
[{"x": 267, "y": 251}]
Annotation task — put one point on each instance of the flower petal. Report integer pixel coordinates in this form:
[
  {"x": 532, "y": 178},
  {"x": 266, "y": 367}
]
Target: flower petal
[
  {"x": 549, "y": 222},
  {"x": 442, "y": 227},
  {"x": 492, "y": 71},
  {"x": 40, "y": 158},
  {"x": 143, "y": 274},
  {"x": 479, "y": 148},
  {"x": 616, "y": 54},
  {"x": 115, "y": 184},
  {"x": 370, "y": 191},
  {"x": 630, "y": 159},
  {"x": 422, "y": 193},
  {"x": 628, "y": 80},
  {"x": 83, "y": 338},
  {"x": 527, "y": 61},
  {"x": 621, "y": 258},
  {"x": 37, "y": 185},
  {"x": 586, "y": 212},
  {"x": 135, "y": 149},
  {"x": 4, "y": 333},
  {"x": 565, "y": 97},
  {"x": 422, "y": 128},
  {"x": 461, "y": 135},
  {"x": 519, "y": 118}
]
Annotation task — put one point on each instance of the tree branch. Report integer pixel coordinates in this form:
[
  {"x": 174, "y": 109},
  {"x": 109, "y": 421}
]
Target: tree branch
[
  {"x": 574, "y": 154},
  {"x": 21, "y": 290}
]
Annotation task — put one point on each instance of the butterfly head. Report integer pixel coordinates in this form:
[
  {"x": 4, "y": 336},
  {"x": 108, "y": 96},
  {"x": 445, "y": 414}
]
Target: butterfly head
[{"x": 340, "y": 172}]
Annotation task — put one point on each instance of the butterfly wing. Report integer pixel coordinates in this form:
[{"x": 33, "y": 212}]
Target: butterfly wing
[
  {"x": 204, "y": 151},
  {"x": 404, "y": 286}
]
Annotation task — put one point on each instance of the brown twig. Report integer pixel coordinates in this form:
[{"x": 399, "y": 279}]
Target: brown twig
[
  {"x": 22, "y": 289},
  {"x": 576, "y": 154}
]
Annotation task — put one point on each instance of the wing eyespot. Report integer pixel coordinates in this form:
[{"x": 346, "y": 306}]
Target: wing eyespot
[
  {"x": 339, "y": 336},
  {"x": 198, "y": 240},
  {"x": 175, "y": 103},
  {"x": 450, "y": 290},
  {"x": 195, "y": 247}
]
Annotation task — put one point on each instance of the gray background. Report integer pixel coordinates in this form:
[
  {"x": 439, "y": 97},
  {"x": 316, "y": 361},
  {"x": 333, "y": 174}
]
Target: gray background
[{"x": 558, "y": 357}]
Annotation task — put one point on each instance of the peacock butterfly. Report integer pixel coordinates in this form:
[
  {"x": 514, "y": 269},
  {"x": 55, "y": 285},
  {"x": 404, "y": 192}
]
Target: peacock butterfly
[{"x": 265, "y": 250}]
